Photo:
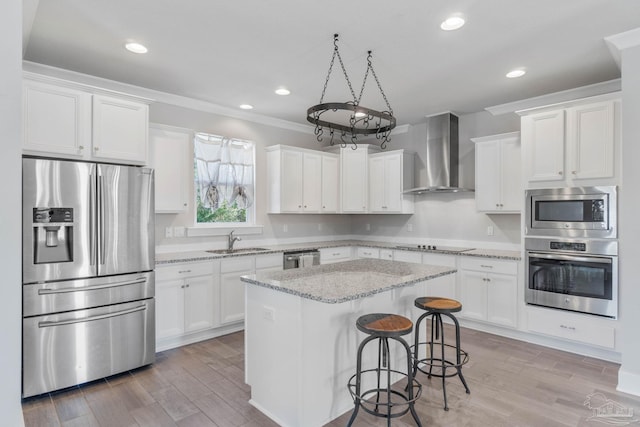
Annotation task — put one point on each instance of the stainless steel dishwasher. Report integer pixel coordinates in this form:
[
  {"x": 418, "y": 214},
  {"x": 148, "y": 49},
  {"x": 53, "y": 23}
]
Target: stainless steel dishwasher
[{"x": 298, "y": 259}]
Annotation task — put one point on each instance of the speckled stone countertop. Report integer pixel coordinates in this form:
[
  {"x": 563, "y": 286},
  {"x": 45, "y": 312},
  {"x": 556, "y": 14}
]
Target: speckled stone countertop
[
  {"x": 192, "y": 256},
  {"x": 346, "y": 281}
]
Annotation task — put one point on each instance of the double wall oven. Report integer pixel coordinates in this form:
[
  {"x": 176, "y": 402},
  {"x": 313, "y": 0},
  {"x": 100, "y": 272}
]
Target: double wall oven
[{"x": 571, "y": 249}]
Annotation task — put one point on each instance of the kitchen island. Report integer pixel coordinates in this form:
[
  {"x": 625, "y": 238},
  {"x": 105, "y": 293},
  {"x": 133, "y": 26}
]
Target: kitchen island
[{"x": 300, "y": 334}]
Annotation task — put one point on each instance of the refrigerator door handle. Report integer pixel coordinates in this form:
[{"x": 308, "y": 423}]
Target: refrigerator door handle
[
  {"x": 90, "y": 318},
  {"x": 101, "y": 239},
  {"x": 92, "y": 219},
  {"x": 90, "y": 288}
]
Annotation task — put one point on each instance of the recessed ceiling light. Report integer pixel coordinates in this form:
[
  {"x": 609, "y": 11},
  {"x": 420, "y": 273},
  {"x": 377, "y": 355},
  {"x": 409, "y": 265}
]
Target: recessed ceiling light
[
  {"x": 283, "y": 91},
  {"x": 136, "y": 47},
  {"x": 452, "y": 23},
  {"x": 246, "y": 106},
  {"x": 516, "y": 73}
]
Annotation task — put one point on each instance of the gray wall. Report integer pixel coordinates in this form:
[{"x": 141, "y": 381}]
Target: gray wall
[{"x": 10, "y": 216}]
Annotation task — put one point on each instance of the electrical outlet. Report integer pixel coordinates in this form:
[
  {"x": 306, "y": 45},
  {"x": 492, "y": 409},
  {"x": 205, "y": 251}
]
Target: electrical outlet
[
  {"x": 490, "y": 230},
  {"x": 409, "y": 227},
  {"x": 268, "y": 313},
  {"x": 319, "y": 226},
  {"x": 168, "y": 232},
  {"x": 178, "y": 231},
  {"x": 285, "y": 228},
  {"x": 367, "y": 227}
]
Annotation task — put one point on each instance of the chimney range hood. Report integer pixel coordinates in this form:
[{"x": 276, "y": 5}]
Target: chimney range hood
[{"x": 436, "y": 162}]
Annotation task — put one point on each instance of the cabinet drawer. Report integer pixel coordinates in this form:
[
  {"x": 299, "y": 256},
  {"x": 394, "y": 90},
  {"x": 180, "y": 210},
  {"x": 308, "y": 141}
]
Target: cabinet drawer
[
  {"x": 571, "y": 326},
  {"x": 386, "y": 254},
  {"x": 177, "y": 271},
  {"x": 368, "y": 253},
  {"x": 489, "y": 265},
  {"x": 335, "y": 254},
  {"x": 269, "y": 261}
]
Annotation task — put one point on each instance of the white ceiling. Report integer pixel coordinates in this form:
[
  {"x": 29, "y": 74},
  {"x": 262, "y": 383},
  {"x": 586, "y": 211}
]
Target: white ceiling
[{"x": 234, "y": 52}]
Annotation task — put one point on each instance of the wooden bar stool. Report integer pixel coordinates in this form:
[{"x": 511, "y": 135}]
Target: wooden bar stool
[
  {"x": 436, "y": 307},
  {"x": 388, "y": 403}
]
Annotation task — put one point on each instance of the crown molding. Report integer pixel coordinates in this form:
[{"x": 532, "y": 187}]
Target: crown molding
[
  {"x": 557, "y": 97},
  {"x": 622, "y": 41},
  {"x": 95, "y": 83}
]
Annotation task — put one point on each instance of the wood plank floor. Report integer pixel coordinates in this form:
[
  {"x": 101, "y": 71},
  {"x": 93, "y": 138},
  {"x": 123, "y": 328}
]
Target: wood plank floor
[{"x": 512, "y": 384}]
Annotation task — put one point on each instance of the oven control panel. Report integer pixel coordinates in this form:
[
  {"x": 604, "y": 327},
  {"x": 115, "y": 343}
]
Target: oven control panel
[{"x": 568, "y": 246}]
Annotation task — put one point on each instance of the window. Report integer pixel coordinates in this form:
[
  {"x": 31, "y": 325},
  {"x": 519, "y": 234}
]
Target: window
[{"x": 224, "y": 180}]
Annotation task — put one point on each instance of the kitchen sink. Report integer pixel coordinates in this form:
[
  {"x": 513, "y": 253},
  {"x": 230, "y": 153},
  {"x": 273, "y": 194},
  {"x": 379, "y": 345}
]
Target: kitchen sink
[{"x": 235, "y": 251}]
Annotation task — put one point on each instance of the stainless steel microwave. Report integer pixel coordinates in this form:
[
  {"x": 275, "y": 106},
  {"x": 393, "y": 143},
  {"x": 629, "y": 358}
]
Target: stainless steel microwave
[{"x": 572, "y": 212}]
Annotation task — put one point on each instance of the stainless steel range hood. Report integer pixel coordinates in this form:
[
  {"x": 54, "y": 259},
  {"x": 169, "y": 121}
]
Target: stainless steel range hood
[{"x": 436, "y": 167}]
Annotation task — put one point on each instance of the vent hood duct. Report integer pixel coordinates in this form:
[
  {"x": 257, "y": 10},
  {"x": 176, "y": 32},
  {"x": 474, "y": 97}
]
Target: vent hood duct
[{"x": 436, "y": 162}]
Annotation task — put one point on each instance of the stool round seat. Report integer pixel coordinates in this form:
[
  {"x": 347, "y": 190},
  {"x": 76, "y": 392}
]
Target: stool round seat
[
  {"x": 442, "y": 305},
  {"x": 384, "y": 325}
]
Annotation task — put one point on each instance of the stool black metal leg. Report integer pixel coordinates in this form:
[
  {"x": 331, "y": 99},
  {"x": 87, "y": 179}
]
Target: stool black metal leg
[
  {"x": 388, "y": 365},
  {"x": 358, "y": 380},
  {"x": 431, "y": 341},
  {"x": 410, "y": 377},
  {"x": 458, "y": 364},
  {"x": 443, "y": 359}
]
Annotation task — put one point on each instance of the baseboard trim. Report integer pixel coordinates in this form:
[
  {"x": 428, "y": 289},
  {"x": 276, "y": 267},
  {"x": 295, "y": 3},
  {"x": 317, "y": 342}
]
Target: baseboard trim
[{"x": 628, "y": 382}]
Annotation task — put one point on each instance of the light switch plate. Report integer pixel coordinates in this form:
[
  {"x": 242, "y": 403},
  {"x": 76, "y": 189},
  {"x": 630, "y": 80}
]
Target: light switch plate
[{"x": 168, "y": 232}]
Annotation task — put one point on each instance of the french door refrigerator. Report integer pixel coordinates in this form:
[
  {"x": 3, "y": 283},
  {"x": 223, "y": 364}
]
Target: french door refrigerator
[{"x": 87, "y": 272}]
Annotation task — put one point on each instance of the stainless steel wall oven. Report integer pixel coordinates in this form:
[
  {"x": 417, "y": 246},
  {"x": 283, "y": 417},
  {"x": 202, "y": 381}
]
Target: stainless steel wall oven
[{"x": 572, "y": 274}]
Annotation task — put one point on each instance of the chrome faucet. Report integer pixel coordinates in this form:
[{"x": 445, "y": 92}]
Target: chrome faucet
[{"x": 232, "y": 240}]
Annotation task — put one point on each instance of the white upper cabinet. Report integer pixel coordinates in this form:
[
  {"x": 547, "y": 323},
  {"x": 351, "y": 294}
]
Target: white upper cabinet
[
  {"x": 573, "y": 146},
  {"x": 169, "y": 149},
  {"x": 301, "y": 180},
  {"x": 354, "y": 174},
  {"x": 120, "y": 129},
  {"x": 498, "y": 173},
  {"x": 389, "y": 174},
  {"x": 68, "y": 120},
  {"x": 330, "y": 183},
  {"x": 56, "y": 119}
]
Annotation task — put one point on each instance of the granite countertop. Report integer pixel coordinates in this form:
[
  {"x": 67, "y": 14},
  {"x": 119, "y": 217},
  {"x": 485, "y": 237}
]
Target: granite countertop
[
  {"x": 192, "y": 256},
  {"x": 346, "y": 281}
]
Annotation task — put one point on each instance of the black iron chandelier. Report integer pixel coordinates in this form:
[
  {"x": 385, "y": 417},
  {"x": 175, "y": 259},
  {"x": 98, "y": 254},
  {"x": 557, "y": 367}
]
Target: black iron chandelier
[{"x": 347, "y": 120}]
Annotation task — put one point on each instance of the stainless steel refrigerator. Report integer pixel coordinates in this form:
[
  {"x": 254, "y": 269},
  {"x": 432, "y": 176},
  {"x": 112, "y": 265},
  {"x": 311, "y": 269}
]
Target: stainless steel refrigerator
[{"x": 87, "y": 272}]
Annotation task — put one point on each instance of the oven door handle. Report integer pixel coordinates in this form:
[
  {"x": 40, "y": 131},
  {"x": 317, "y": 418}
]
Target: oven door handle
[
  {"x": 91, "y": 318},
  {"x": 90, "y": 288},
  {"x": 600, "y": 260}
]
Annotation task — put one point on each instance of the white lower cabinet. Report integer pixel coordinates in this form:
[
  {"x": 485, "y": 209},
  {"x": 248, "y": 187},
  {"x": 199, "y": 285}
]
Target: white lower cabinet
[
  {"x": 444, "y": 286},
  {"x": 186, "y": 298},
  {"x": 489, "y": 291},
  {"x": 572, "y": 326},
  {"x": 367, "y": 253},
  {"x": 332, "y": 255},
  {"x": 232, "y": 288}
]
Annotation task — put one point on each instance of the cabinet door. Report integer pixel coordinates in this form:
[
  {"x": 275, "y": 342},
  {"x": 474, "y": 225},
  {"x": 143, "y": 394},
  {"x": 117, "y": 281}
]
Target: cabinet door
[
  {"x": 173, "y": 167},
  {"x": 199, "y": 303},
  {"x": 393, "y": 183},
  {"x": 330, "y": 183},
  {"x": 368, "y": 253},
  {"x": 543, "y": 137},
  {"x": 488, "y": 176},
  {"x": 377, "y": 189},
  {"x": 56, "y": 119},
  {"x": 512, "y": 194},
  {"x": 291, "y": 184},
  {"x": 169, "y": 308},
  {"x": 120, "y": 129},
  {"x": 232, "y": 296},
  {"x": 502, "y": 299},
  {"x": 590, "y": 136},
  {"x": 355, "y": 180},
  {"x": 473, "y": 293},
  {"x": 311, "y": 182}
]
